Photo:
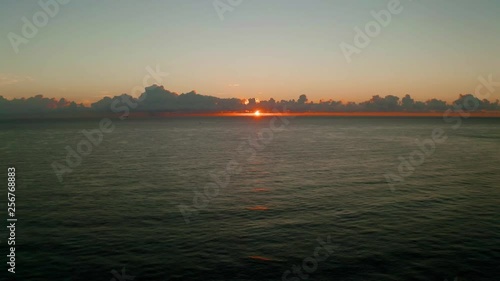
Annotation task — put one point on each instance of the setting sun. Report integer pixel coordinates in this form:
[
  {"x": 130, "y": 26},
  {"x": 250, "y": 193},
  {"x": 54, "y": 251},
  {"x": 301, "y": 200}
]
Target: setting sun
[{"x": 257, "y": 113}]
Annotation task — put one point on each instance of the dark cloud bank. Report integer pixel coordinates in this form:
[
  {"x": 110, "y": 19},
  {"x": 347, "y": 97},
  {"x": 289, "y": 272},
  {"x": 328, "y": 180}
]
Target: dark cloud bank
[{"x": 156, "y": 99}]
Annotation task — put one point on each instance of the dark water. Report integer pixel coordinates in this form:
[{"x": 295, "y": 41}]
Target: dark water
[{"x": 317, "y": 177}]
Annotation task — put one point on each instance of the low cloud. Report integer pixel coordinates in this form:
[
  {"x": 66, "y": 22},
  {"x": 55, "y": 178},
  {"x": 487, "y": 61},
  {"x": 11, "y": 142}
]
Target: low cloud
[{"x": 156, "y": 99}]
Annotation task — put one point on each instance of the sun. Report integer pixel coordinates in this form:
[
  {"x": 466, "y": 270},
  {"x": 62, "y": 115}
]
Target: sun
[{"x": 257, "y": 113}]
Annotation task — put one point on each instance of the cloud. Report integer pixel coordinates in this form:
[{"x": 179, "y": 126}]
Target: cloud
[
  {"x": 37, "y": 104},
  {"x": 233, "y": 85},
  {"x": 158, "y": 99},
  {"x": 10, "y": 79}
]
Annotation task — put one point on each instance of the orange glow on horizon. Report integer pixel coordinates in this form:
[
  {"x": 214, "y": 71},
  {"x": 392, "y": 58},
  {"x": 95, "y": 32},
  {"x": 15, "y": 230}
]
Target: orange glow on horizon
[
  {"x": 257, "y": 113},
  {"x": 332, "y": 114},
  {"x": 490, "y": 114}
]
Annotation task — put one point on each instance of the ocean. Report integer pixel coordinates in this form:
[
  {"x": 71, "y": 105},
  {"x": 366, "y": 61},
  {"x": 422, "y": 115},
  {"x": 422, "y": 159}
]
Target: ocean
[{"x": 247, "y": 198}]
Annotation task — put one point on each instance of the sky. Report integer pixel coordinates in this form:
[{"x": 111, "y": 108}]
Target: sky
[{"x": 256, "y": 48}]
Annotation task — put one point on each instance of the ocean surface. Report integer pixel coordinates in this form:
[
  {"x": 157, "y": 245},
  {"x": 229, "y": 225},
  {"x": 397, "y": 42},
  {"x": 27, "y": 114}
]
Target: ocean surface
[{"x": 244, "y": 198}]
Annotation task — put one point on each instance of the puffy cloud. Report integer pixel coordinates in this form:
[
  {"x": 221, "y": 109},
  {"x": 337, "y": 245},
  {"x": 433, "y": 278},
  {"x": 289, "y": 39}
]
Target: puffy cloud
[
  {"x": 157, "y": 99},
  {"x": 36, "y": 104}
]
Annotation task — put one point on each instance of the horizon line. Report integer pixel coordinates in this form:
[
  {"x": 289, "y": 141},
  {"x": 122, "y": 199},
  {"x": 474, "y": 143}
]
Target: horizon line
[{"x": 146, "y": 115}]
